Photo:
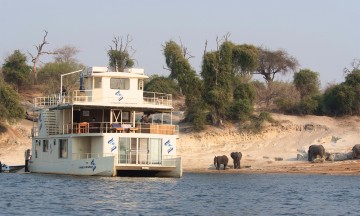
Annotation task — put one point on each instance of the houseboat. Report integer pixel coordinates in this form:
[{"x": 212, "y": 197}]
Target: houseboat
[{"x": 108, "y": 126}]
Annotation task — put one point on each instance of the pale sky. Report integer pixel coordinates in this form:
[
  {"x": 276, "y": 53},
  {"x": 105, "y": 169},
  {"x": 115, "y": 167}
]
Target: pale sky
[{"x": 323, "y": 35}]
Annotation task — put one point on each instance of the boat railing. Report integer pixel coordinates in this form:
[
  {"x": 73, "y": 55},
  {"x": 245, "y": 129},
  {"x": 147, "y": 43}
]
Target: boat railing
[
  {"x": 48, "y": 101},
  {"x": 144, "y": 157},
  {"x": 85, "y": 128},
  {"x": 78, "y": 156},
  {"x": 93, "y": 96},
  {"x": 157, "y": 98}
]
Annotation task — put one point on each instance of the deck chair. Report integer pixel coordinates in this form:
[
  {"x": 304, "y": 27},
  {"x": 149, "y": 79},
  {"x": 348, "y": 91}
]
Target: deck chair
[{"x": 117, "y": 128}]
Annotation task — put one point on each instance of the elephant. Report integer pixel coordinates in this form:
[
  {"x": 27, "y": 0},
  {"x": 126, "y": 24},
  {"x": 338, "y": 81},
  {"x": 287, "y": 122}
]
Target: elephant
[
  {"x": 236, "y": 156},
  {"x": 314, "y": 151},
  {"x": 356, "y": 151},
  {"x": 218, "y": 160}
]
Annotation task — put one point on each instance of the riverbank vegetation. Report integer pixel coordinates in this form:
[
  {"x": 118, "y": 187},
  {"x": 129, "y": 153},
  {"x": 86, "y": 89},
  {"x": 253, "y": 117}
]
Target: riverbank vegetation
[{"x": 223, "y": 90}]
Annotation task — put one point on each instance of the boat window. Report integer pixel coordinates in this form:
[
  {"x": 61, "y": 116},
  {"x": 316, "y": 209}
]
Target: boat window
[
  {"x": 97, "y": 82},
  {"x": 155, "y": 151},
  {"x": 140, "y": 84},
  {"x": 45, "y": 145},
  {"x": 120, "y": 83},
  {"x": 63, "y": 148},
  {"x": 124, "y": 150}
]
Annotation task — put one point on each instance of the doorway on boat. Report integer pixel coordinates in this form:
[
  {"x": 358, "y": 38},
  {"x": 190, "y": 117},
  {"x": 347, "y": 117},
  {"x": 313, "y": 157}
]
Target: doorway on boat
[{"x": 140, "y": 151}]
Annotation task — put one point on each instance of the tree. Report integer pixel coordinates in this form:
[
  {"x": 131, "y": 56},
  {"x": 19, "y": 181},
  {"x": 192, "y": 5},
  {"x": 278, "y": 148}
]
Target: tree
[
  {"x": 307, "y": 82},
  {"x": 338, "y": 100},
  {"x": 284, "y": 95},
  {"x": 355, "y": 64},
  {"x": 162, "y": 84},
  {"x": 274, "y": 62},
  {"x": 353, "y": 79},
  {"x": 15, "y": 70},
  {"x": 50, "y": 75},
  {"x": 177, "y": 62},
  {"x": 242, "y": 105},
  {"x": 10, "y": 107},
  {"x": 120, "y": 56},
  {"x": 65, "y": 62},
  {"x": 35, "y": 59},
  {"x": 222, "y": 71},
  {"x": 66, "y": 54}
]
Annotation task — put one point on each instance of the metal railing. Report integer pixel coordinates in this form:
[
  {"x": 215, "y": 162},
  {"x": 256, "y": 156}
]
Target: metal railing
[
  {"x": 106, "y": 127},
  {"x": 89, "y": 96}
]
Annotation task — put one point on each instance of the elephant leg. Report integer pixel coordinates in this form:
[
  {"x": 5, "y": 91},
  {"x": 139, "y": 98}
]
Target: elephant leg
[{"x": 225, "y": 166}]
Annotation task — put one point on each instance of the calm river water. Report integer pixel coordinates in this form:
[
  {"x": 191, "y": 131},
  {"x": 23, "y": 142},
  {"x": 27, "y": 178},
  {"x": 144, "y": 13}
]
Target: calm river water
[{"x": 193, "y": 194}]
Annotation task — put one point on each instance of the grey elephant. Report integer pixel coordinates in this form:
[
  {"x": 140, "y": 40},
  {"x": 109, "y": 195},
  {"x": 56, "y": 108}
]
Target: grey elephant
[
  {"x": 236, "y": 156},
  {"x": 356, "y": 151},
  {"x": 218, "y": 160},
  {"x": 314, "y": 151}
]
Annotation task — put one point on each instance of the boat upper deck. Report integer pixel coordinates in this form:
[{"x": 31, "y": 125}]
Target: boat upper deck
[
  {"x": 103, "y": 99},
  {"x": 100, "y": 87},
  {"x": 148, "y": 100}
]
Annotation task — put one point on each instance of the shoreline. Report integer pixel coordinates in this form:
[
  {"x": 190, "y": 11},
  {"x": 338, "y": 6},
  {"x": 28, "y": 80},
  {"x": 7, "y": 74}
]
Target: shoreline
[{"x": 348, "y": 167}]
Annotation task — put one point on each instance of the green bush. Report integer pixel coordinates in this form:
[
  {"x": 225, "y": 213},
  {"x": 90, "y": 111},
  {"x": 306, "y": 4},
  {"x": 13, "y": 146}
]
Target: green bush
[
  {"x": 338, "y": 100},
  {"x": 163, "y": 85},
  {"x": 10, "y": 107},
  {"x": 308, "y": 105},
  {"x": 241, "y": 110}
]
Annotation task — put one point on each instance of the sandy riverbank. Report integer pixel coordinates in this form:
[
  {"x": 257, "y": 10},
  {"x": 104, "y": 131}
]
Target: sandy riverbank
[{"x": 287, "y": 140}]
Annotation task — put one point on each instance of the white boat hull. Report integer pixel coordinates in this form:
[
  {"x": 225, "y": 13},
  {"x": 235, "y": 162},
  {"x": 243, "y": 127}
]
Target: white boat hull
[{"x": 103, "y": 166}]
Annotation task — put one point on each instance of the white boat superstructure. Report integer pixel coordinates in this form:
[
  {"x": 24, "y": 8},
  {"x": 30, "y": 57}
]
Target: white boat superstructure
[{"x": 109, "y": 127}]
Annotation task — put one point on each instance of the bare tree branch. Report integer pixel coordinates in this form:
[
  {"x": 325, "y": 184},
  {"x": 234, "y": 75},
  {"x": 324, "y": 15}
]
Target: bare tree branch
[
  {"x": 205, "y": 47},
  {"x": 39, "y": 48},
  {"x": 166, "y": 68},
  {"x": 355, "y": 64},
  {"x": 186, "y": 54}
]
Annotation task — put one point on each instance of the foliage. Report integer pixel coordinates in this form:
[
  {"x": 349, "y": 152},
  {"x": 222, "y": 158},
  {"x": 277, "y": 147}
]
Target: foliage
[
  {"x": 242, "y": 105},
  {"x": 286, "y": 105},
  {"x": 64, "y": 62},
  {"x": 256, "y": 123},
  {"x": 198, "y": 116},
  {"x": 189, "y": 83},
  {"x": 307, "y": 83},
  {"x": 120, "y": 60},
  {"x": 66, "y": 54},
  {"x": 50, "y": 75},
  {"x": 222, "y": 71},
  {"x": 344, "y": 98},
  {"x": 282, "y": 94},
  {"x": 308, "y": 105},
  {"x": 119, "y": 56},
  {"x": 353, "y": 79},
  {"x": 274, "y": 62},
  {"x": 16, "y": 71},
  {"x": 241, "y": 109},
  {"x": 245, "y": 58},
  {"x": 10, "y": 107},
  {"x": 162, "y": 84},
  {"x": 338, "y": 100}
]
